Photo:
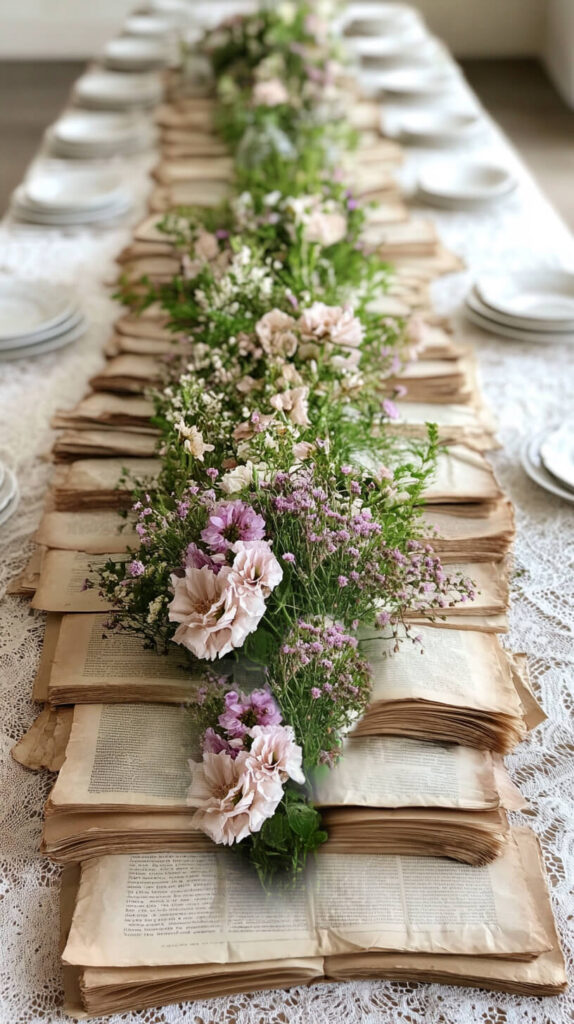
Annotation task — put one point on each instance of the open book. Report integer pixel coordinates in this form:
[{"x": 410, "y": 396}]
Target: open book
[
  {"x": 100, "y": 990},
  {"x": 123, "y": 787},
  {"x": 201, "y": 908}
]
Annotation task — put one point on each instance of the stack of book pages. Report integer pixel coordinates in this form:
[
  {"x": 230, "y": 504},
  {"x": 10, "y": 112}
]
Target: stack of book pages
[
  {"x": 125, "y": 776},
  {"x": 146, "y": 929}
]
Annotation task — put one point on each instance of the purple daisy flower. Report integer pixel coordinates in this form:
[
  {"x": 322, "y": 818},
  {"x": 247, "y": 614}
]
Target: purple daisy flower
[{"x": 229, "y": 522}]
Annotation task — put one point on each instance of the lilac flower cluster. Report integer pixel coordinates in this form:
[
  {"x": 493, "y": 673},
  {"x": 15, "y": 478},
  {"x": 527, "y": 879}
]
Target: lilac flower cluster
[
  {"x": 240, "y": 714},
  {"x": 323, "y": 684}
]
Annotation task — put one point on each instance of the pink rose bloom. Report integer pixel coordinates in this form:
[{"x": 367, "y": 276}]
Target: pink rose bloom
[
  {"x": 255, "y": 567},
  {"x": 275, "y": 333},
  {"x": 231, "y": 805},
  {"x": 325, "y": 228},
  {"x": 274, "y": 751},
  {"x": 270, "y": 93},
  {"x": 295, "y": 404},
  {"x": 214, "y": 618},
  {"x": 331, "y": 323}
]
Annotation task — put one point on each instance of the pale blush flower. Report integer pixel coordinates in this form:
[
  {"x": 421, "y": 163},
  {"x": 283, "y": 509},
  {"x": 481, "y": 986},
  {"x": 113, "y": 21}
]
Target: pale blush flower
[
  {"x": 247, "y": 384},
  {"x": 335, "y": 324},
  {"x": 193, "y": 440},
  {"x": 213, "y": 619},
  {"x": 206, "y": 247},
  {"x": 295, "y": 404},
  {"x": 270, "y": 93},
  {"x": 255, "y": 567},
  {"x": 274, "y": 751},
  {"x": 275, "y": 331},
  {"x": 246, "y": 430},
  {"x": 303, "y": 450},
  {"x": 325, "y": 228},
  {"x": 237, "y": 479},
  {"x": 231, "y": 803},
  {"x": 290, "y": 375}
]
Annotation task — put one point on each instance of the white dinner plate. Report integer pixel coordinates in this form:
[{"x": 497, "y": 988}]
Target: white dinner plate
[
  {"x": 412, "y": 81},
  {"x": 517, "y": 323},
  {"x": 437, "y": 126},
  {"x": 94, "y": 128},
  {"x": 68, "y": 218},
  {"x": 3, "y": 469},
  {"x": 135, "y": 52},
  {"x": 9, "y": 510},
  {"x": 55, "y": 190},
  {"x": 148, "y": 25},
  {"x": 557, "y": 454},
  {"x": 362, "y": 19},
  {"x": 27, "y": 308},
  {"x": 8, "y": 488},
  {"x": 43, "y": 347},
  {"x": 466, "y": 181},
  {"x": 117, "y": 89},
  {"x": 390, "y": 45},
  {"x": 534, "y": 467},
  {"x": 537, "y": 295},
  {"x": 514, "y": 333},
  {"x": 69, "y": 324}
]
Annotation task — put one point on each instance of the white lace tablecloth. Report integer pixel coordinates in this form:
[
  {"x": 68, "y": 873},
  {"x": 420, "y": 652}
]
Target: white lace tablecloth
[{"x": 528, "y": 386}]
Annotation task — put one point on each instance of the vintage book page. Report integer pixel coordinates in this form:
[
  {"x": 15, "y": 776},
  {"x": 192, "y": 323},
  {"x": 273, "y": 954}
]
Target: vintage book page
[
  {"x": 456, "y": 668},
  {"x": 62, "y": 585},
  {"x": 153, "y": 743},
  {"x": 96, "y": 531},
  {"x": 89, "y": 661},
  {"x": 150, "y": 909},
  {"x": 545, "y": 974}
]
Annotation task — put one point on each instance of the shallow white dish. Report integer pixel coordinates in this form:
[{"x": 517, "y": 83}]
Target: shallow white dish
[
  {"x": 389, "y": 45},
  {"x": 69, "y": 324},
  {"x": 538, "y": 295},
  {"x": 363, "y": 19},
  {"x": 467, "y": 181},
  {"x": 147, "y": 25},
  {"x": 517, "y": 323},
  {"x": 533, "y": 466},
  {"x": 557, "y": 454},
  {"x": 93, "y": 128},
  {"x": 514, "y": 333},
  {"x": 43, "y": 347},
  {"x": 68, "y": 218},
  {"x": 438, "y": 126},
  {"x": 73, "y": 190},
  {"x": 412, "y": 81},
  {"x": 135, "y": 52},
  {"x": 8, "y": 511},
  {"x": 8, "y": 488},
  {"x": 115, "y": 90},
  {"x": 30, "y": 308}
]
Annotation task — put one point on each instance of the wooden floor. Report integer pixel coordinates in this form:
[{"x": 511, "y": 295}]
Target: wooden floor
[{"x": 517, "y": 92}]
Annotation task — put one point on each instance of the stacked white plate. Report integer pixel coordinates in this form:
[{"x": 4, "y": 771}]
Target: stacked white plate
[
  {"x": 529, "y": 305},
  {"x": 148, "y": 26},
  {"x": 434, "y": 126},
  {"x": 366, "y": 19},
  {"x": 117, "y": 90},
  {"x": 59, "y": 196},
  {"x": 411, "y": 81},
  {"x": 93, "y": 134},
  {"x": 36, "y": 318},
  {"x": 464, "y": 184},
  {"x": 548, "y": 458},
  {"x": 9, "y": 493},
  {"x": 392, "y": 46},
  {"x": 136, "y": 53}
]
